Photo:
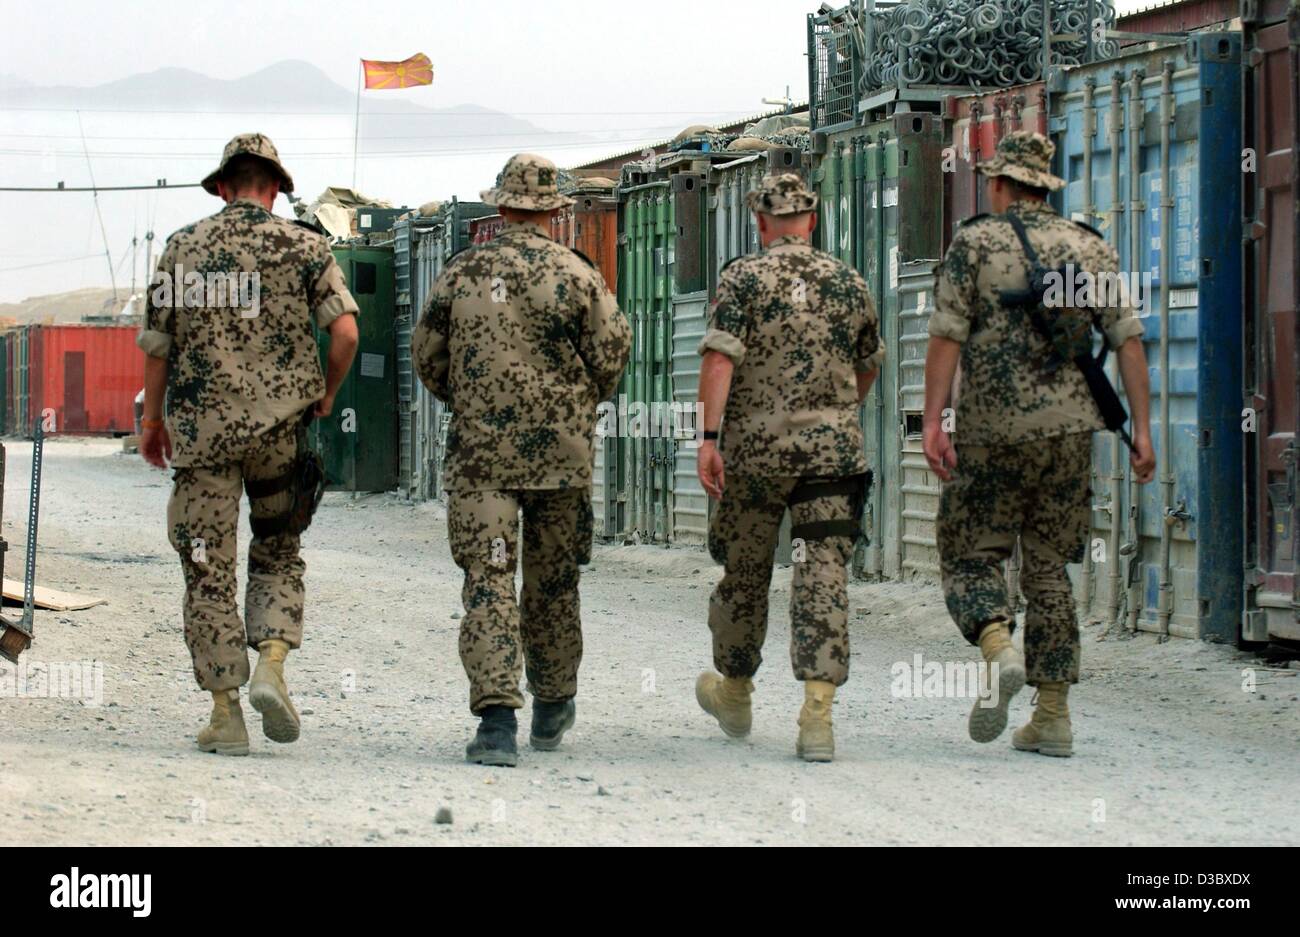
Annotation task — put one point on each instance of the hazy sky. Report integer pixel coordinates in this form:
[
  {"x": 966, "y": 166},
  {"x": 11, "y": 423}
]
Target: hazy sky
[{"x": 638, "y": 71}]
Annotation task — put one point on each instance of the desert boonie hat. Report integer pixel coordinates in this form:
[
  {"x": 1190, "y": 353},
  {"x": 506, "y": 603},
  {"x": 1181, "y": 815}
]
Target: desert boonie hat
[
  {"x": 249, "y": 144},
  {"x": 530, "y": 183},
  {"x": 784, "y": 194},
  {"x": 1026, "y": 157}
]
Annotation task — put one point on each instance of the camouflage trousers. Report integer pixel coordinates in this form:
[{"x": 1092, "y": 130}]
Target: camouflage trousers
[
  {"x": 1039, "y": 492},
  {"x": 743, "y": 535},
  {"x": 541, "y": 629},
  {"x": 202, "y": 522}
]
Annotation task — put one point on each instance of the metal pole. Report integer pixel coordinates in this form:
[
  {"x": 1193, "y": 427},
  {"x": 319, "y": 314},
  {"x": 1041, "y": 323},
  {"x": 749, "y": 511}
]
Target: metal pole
[
  {"x": 356, "y": 122},
  {"x": 112, "y": 274},
  {"x": 33, "y": 512}
]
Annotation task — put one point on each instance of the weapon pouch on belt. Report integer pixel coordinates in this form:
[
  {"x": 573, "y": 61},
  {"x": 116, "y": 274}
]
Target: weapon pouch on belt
[
  {"x": 1032, "y": 298},
  {"x": 305, "y": 481},
  {"x": 858, "y": 489}
]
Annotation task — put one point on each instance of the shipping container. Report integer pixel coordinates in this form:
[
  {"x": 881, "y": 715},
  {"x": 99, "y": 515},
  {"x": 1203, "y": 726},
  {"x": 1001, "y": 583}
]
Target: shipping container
[
  {"x": 404, "y": 234},
  {"x": 881, "y": 212},
  {"x": 562, "y": 227},
  {"x": 1179, "y": 17},
  {"x": 647, "y": 238},
  {"x": 429, "y": 416},
  {"x": 482, "y": 230},
  {"x": 1145, "y": 142},
  {"x": 667, "y": 269},
  {"x": 978, "y": 122},
  {"x": 359, "y": 439},
  {"x": 1271, "y": 295},
  {"x": 18, "y": 424},
  {"x": 81, "y": 379},
  {"x": 595, "y": 215}
]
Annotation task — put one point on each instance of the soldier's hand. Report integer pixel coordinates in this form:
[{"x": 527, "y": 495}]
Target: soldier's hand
[
  {"x": 323, "y": 406},
  {"x": 156, "y": 446},
  {"x": 708, "y": 466},
  {"x": 1143, "y": 458},
  {"x": 939, "y": 451}
]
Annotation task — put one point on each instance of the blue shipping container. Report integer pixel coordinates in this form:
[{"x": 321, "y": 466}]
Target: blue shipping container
[{"x": 1150, "y": 144}]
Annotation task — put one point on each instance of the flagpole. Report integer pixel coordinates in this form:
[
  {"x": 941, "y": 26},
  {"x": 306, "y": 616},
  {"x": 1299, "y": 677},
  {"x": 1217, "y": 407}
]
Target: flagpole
[{"x": 356, "y": 123}]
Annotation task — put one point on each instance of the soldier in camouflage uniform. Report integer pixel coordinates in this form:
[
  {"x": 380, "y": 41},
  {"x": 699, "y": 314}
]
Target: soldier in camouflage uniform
[
  {"x": 1023, "y": 428},
  {"x": 522, "y": 339},
  {"x": 792, "y": 348},
  {"x": 239, "y": 367}
]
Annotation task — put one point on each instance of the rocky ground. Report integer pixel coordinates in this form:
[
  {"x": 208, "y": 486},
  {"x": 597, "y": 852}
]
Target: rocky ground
[{"x": 1170, "y": 746}]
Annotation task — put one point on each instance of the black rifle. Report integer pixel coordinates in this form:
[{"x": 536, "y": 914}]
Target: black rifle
[{"x": 1032, "y": 298}]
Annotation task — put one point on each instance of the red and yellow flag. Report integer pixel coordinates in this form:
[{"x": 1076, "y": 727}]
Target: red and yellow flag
[{"x": 417, "y": 70}]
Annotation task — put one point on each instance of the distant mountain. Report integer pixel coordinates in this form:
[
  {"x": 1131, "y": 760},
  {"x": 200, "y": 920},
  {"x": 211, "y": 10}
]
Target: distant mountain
[
  {"x": 12, "y": 82},
  {"x": 72, "y": 306},
  {"x": 389, "y": 123}
]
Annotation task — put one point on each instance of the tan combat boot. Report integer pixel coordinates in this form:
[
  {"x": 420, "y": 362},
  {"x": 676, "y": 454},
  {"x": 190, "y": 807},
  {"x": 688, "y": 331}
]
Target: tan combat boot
[
  {"x": 268, "y": 694},
  {"x": 816, "y": 741},
  {"x": 988, "y": 717},
  {"x": 225, "y": 733},
  {"x": 727, "y": 700},
  {"x": 1048, "y": 729}
]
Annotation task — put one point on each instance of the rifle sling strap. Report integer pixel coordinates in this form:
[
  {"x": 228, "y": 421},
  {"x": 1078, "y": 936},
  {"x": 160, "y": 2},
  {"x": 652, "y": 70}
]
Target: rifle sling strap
[{"x": 1036, "y": 313}]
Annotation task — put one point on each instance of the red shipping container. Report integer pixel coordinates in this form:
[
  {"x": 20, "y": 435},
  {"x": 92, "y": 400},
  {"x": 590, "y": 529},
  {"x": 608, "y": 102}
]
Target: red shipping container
[
  {"x": 1178, "y": 17},
  {"x": 978, "y": 122},
  {"x": 1271, "y": 284},
  {"x": 562, "y": 227},
  {"x": 482, "y": 230},
  {"x": 596, "y": 231},
  {"x": 86, "y": 375}
]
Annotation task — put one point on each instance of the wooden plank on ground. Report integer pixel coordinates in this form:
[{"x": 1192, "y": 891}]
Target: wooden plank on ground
[{"x": 53, "y": 599}]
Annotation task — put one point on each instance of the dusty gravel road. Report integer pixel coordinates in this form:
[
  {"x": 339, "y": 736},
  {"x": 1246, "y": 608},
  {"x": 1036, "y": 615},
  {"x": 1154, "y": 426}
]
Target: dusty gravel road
[{"x": 1170, "y": 749}]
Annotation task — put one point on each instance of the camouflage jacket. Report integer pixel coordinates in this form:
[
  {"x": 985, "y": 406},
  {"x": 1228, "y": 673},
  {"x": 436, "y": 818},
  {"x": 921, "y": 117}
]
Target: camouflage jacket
[
  {"x": 521, "y": 339},
  {"x": 236, "y": 369},
  {"x": 798, "y": 325},
  {"x": 1012, "y": 388}
]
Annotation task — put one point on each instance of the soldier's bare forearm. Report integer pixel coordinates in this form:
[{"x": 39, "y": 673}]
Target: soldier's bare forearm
[
  {"x": 865, "y": 379},
  {"x": 941, "y": 358},
  {"x": 342, "y": 350},
  {"x": 155, "y": 386},
  {"x": 1137, "y": 384},
  {"x": 715, "y": 385}
]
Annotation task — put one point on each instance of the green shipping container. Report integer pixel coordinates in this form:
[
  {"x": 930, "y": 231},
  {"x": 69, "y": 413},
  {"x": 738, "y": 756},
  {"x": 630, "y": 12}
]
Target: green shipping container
[
  {"x": 646, "y": 256},
  {"x": 881, "y": 190},
  {"x": 358, "y": 441},
  {"x": 18, "y": 423}
]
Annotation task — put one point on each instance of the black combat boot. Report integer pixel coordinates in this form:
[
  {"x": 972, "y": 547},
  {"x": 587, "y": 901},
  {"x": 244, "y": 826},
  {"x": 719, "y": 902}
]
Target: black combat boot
[
  {"x": 494, "y": 743},
  {"x": 550, "y": 722}
]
